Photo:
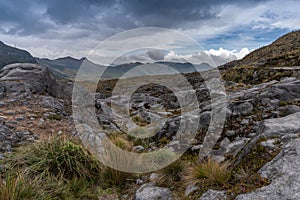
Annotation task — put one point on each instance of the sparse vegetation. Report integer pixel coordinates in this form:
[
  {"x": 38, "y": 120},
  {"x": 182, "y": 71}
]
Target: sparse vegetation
[
  {"x": 213, "y": 171},
  {"x": 174, "y": 170},
  {"x": 58, "y": 156},
  {"x": 14, "y": 187},
  {"x": 139, "y": 120},
  {"x": 55, "y": 117}
]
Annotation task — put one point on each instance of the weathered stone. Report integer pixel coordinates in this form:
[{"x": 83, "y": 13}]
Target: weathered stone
[
  {"x": 289, "y": 109},
  {"x": 269, "y": 144},
  {"x": 281, "y": 126},
  {"x": 230, "y": 133},
  {"x": 235, "y": 146},
  {"x": 24, "y": 77},
  {"x": 242, "y": 109},
  {"x": 190, "y": 189},
  {"x": 245, "y": 122},
  {"x": 284, "y": 173},
  {"x": 54, "y": 104},
  {"x": 225, "y": 142},
  {"x": 138, "y": 148},
  {"x": 272, "y": 128},
  {"x": 197, "y": 147},
  {"x": 151, "y": 192}
]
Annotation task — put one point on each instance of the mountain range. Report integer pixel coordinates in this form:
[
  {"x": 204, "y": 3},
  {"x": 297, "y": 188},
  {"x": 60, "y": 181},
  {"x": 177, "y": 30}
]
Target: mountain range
[
  {"x": 67, "y": 67},
  {"x": 285, "y": 51}
]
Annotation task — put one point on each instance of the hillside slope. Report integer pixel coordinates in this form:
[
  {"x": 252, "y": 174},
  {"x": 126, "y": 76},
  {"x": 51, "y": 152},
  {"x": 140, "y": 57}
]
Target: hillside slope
[
  {"x": 9, "y": 55},
  {"x": 285, "y": 51}
]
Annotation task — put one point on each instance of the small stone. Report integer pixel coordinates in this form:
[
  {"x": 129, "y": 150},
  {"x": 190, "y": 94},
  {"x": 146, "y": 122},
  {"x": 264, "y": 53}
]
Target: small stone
[
  {"x": 13, "y": 122},
  {"x": 153, "y": 177},
  {"x": 245, "y": 122},
  {"x": 230, "y": 133},
  {"x": 138, "y": 148},
  {"x": 197, "y": 147},
  {"x": 2, "y": 104},
  {"x": 10, "y": 113},
  {"x": 151, "y": 192},
  {"x": 235, "y": 146},
  {"x": 224, "y": 142},
  {"x": 21, "y": 118},
  {"x": 30, "y": 139},
  {"x": 190, "y": 189},
  {"x": 139, "y": 181},
  {"x": 251, "y": 135},
  {"x": 269, "y": 144},
  {"x": 19, "y": 134}
]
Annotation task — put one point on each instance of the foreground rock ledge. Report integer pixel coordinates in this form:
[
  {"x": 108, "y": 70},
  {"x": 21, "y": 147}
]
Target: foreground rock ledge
[{"x": 284, "y": 173}]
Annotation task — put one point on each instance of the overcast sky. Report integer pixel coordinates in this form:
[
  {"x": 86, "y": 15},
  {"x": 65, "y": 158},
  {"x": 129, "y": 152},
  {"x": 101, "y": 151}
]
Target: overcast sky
[{"x": 57, "y": 28}]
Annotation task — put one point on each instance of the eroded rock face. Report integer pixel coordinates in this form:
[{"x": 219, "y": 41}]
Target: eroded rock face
[
  {"x": 151, "y": 192},
  {"x": 284, "y": 173},
  {"x": 26, "y": 77}
]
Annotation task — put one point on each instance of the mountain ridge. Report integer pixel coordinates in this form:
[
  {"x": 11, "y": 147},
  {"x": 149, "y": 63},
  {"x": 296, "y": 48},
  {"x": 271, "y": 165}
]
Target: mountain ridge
[
  {"x": 9, "y": 55},
  {"x": 284, "y": 51}
]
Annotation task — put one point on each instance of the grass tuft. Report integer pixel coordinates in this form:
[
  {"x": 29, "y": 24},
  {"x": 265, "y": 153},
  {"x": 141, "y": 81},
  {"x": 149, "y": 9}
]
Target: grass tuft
[
  {"x": 216, "y": 173},
  {"x": 57, "y": 156}
]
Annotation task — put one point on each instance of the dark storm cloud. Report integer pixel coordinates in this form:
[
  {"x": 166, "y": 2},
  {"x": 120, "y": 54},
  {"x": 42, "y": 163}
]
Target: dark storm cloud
[{"x": 23, "y": 17}]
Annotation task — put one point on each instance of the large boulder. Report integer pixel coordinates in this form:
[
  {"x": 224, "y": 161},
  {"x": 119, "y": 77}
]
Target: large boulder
[{"x": 26, "y": 77}]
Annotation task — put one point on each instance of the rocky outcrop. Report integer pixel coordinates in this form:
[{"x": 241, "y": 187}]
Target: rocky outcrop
[
  {"x": 274, "y": 128},
  {"x": 26, "y": 77},
  {"x": 284, "y": 173}
]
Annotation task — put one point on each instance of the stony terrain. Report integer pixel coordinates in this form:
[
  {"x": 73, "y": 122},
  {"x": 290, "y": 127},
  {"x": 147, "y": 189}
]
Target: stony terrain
[{"x": 260, "y": 138}]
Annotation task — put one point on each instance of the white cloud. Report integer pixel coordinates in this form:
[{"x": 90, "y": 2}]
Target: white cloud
[
  {"x": 228, "y": 54},
  {"x": 213, "y": 57}
]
